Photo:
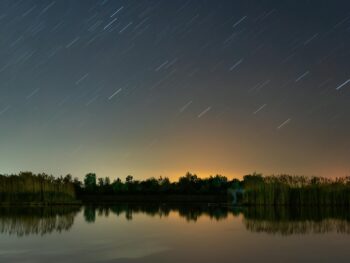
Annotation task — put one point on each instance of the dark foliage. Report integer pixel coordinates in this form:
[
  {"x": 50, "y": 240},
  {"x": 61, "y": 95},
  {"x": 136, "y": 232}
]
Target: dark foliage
[
  {"x": 37, "y": 188},
  {"x": 188, "y": 184},
  {"x": 296, "y": 190},
  {"x": 258, "y": 189}
]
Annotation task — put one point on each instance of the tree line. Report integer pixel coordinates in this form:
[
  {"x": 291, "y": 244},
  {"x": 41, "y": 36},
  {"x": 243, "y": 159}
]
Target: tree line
[
  {"x": 256, "y": 189},
  {"x": 188, "y": 184},
  {"x": 38, "y": 188},
  {"x": 296, "y": 190}
]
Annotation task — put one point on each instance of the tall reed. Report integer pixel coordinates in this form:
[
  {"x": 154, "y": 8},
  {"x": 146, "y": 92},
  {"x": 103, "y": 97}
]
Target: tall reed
[
  {"x": 28, "y": 187},
  {"x": 296, "y": 190}
]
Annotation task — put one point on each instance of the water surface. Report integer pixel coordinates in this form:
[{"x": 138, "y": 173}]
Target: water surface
[{"x": 173, "y": 233}]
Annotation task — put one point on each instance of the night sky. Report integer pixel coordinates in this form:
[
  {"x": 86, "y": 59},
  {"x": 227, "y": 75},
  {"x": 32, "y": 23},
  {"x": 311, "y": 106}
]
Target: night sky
[{"x": 152, "y": 88}]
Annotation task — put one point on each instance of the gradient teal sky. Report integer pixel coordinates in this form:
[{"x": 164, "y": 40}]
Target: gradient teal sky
[{"x": 152, "y": 88}]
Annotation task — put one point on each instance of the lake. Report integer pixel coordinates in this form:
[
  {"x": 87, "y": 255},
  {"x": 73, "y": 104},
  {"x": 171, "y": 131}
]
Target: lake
[{"x": 173, "y": 233}]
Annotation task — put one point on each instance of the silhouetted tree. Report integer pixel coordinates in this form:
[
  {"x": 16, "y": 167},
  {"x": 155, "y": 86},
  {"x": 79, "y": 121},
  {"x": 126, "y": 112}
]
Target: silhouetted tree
[
  {"x": 129, "y": 179},
  {"x": 67, "y": 178},
  {"x": 90, "y": 182}
]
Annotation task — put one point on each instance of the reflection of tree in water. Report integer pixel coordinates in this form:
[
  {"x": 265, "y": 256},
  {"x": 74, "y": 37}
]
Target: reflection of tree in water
[
  {"x": 298, "y": 227},
  {"x": 273, "y": 220},
  {"x": 300, "y": 220},
  {"x": 189, "y": 212},
  {"x": 90, "y": 214},
  {"x": 23, "y": 221}
]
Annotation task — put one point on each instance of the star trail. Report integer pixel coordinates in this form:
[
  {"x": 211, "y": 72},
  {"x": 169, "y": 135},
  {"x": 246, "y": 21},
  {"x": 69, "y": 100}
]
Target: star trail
[{"x": 152, "y": 88}]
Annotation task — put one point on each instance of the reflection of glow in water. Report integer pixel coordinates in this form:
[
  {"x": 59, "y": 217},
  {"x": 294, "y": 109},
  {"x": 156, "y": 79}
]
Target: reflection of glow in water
[
  {"x": 278, "y": 220},
  {"x": 174, "y": 233},
  {"x": 128, "y": 250},
  {"x": 189, "y": 212},
  {"x": 272, "y": 220}
]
